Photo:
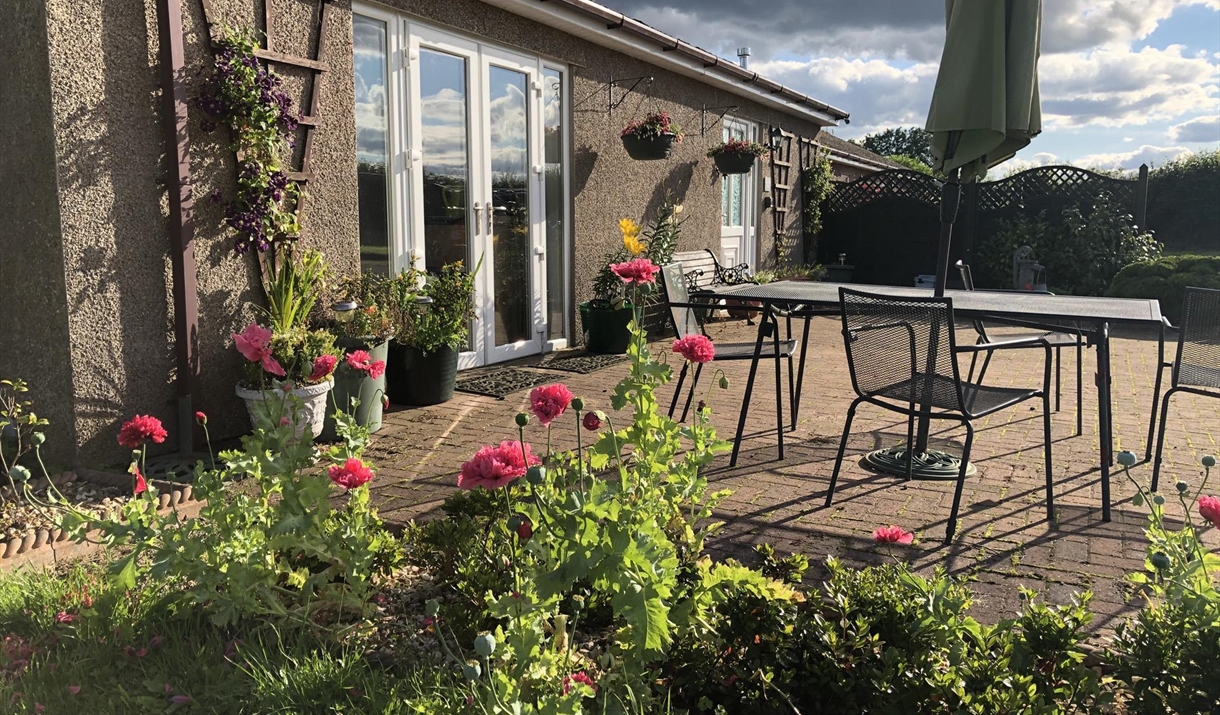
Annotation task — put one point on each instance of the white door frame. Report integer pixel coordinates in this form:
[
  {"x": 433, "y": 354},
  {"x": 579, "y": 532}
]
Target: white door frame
[{"x": 746, "y": 235}]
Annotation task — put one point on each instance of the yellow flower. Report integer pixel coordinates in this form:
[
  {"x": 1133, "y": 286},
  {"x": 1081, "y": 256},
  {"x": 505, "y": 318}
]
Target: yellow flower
[{"x": 631, "y": 236}]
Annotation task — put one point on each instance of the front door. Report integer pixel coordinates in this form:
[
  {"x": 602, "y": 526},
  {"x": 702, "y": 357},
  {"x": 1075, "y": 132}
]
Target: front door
[
  {"x": 475, "y": 118},
  {"x": 737, "y": 196}
]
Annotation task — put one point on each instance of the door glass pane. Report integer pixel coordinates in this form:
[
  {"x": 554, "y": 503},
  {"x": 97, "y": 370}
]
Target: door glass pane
[
  {"x": 372, "y": 153},
  {"x": 556, "y": 248},
  {"x": 508, "y": 144},
  {"x": 444, "y": 140}
]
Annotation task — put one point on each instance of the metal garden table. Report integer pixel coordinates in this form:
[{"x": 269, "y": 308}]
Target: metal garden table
[{"x": 1093, "y": 315}]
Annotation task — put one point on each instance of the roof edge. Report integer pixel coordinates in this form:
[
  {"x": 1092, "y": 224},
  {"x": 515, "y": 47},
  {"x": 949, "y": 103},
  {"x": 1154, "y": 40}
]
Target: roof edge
[{"x": 611, "y": 29}]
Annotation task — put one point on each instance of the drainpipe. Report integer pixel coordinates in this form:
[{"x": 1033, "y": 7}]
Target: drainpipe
[
  {"x": 743, "y": 57},
  {"x": 181, "y": 219}
]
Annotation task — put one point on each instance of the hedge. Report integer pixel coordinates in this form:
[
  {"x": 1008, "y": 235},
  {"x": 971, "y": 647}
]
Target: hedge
[
  {"x": 1182, "y": 206},
  {"x": 1166, "y": 279}
]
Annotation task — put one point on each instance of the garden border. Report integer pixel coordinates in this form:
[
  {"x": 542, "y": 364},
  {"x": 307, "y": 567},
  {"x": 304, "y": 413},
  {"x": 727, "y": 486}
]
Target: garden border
[{"x": 47, "y": 546}]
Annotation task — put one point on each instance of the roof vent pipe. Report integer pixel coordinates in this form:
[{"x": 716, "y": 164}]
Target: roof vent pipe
[{"x": 743, "y": 57}]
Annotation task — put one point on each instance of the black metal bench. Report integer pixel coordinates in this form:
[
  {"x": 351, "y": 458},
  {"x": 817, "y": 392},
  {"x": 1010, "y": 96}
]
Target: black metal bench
[{"x": 702, "y": 271}]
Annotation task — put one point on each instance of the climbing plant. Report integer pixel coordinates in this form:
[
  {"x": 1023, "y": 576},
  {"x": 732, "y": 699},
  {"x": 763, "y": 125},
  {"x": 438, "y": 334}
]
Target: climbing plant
[{"x": 815, "y": 187}]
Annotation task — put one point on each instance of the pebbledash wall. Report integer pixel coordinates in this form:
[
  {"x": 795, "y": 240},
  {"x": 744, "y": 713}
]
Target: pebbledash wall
[{"x": 84, "y": 264}]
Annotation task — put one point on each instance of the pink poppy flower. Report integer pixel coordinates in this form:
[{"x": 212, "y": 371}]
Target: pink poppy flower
[
  {"x": 272, "y": 366},
  {"x": 351, "y": 474},
  {"x": 254, "y": 343},
  {"x": 139, "y": 428},
  {"x": 141, "y": 485},
  {"x": 578, "y": 677},
  {"x": 323, "y": 366},
  {"x": 201, "y": 417},
  {"x": 696, "y": 348},
  {"x": 1209, "y": 508},
  {"x": 377, "y": 369},
  {"x": 359, "y": 360},
  {"x": 495, "y": 467},
  {"x": 549, "y": 402},
  {"x": 74, "y": 689},
  {"x": 592, "y": 422},
  {"x": 892, "y": 535},
  {"x": 179, "y": 699},
  {"x": 638, "y": 271},
  {"x": 65, "y": 617}
]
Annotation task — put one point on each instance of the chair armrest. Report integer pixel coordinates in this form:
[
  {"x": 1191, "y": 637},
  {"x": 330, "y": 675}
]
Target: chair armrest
[{"x": 1005, "y": 345}]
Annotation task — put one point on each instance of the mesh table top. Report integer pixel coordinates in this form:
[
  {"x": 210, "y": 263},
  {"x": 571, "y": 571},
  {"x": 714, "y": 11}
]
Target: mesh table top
[{"x": 981, "y": 303}]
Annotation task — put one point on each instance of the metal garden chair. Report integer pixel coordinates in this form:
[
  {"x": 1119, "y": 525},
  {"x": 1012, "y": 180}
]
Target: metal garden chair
[
  {"x": 684, "y": 314},
  {"x": 902, "y": 355},
  {"x": 1057, "y": 335},
  {"x": 1197, "y": 367}
]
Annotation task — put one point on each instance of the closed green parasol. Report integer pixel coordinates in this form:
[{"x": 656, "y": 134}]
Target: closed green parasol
[{"x": 985, "y": 106}]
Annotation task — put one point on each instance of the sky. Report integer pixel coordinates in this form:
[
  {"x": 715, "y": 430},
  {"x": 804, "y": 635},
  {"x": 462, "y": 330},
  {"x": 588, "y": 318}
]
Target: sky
[{"x": 1123, "y": 82}]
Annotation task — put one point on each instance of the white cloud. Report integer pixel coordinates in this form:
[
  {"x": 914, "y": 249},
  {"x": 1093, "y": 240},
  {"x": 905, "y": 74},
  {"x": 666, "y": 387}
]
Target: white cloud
[
  {"x": 1151, "y": 155},
  {"x": 1017, "y": 164},
  {"x": 1199, "y": 129}
]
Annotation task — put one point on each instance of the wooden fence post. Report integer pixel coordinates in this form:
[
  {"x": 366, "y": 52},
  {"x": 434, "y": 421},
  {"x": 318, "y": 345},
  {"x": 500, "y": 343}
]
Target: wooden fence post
[{"x": 1141, "y": 198}]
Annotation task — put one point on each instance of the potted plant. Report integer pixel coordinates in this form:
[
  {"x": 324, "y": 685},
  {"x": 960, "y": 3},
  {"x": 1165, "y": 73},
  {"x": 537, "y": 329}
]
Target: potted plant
[
  {"x": 431, "y": 333},
  {"x": 604, "y": 319},
  {"x": 361, "y": 321},
  {"x": 737, "y": 156},
  {"x": 289, "y": 367},
  {"x": 652, "y": 137}
]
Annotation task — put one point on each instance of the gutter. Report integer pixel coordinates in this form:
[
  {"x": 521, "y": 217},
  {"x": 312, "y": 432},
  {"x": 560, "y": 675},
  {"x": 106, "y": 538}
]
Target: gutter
[{"x": 616, "y": 31}]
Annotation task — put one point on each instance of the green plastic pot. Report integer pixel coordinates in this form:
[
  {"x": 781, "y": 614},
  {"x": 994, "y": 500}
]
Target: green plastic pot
[
  {"x": 652, "y": 149},
  {"x": 605, "y": 328},
  {"x": 351, "y": 383},
  {"x": 734, "y": 163},
  {"x": 429, "y": 377}
]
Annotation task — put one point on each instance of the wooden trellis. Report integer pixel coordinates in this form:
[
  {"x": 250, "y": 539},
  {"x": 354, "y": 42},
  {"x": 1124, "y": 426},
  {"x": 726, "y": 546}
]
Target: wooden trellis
[
  {"x": 317, "y": 65},
  {"x": 1079, "y": 185},
  {"x": 896, "y": 183},
  {"x": 781, "y": 186}
]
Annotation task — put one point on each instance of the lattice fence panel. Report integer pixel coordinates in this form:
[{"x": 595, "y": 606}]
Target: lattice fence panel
[
  {"x": 899, "y": 183},
  {"x": 1069, "y": 183}
]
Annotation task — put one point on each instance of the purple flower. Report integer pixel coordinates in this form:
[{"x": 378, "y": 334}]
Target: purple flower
[{"x": 217, "y": 196}]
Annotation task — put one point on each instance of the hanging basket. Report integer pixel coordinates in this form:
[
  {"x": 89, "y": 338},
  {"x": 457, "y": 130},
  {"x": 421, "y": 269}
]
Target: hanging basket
[
  {"x": 734, "y": 162},
  {"x": 649, "y": 149}
]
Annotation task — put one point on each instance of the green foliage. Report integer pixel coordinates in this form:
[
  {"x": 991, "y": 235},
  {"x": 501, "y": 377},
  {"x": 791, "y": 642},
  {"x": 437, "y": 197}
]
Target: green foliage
[
  {"x": 295, "y": 350},
  {"x": 377, "y": 307},
  {"x": 663, "y": 233},
  {"x": 1182, "y": 205},
  {"x": 292, "y": 285},
  {"x": 816, "y": 184},
  {"x": 911, "y": 163},
  {"x": 18, "y": 427},
  {"x": 1166, "y": 657},
  {"x": 883, "y": 640},
  {"x": 445, "y": 322},
  {"x": 737, "y": 146},
  {"x": 1082, "y": 250},
  {"x": 280, "y": 549},
  {"x": 1166, "y": 280},
  {"x": 914, "y": 142},
  {"x": 653, "y": 126}
]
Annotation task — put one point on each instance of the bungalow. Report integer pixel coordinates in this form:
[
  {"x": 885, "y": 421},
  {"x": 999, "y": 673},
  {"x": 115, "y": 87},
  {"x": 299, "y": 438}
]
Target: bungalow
[{"x": 426, "y": 125}]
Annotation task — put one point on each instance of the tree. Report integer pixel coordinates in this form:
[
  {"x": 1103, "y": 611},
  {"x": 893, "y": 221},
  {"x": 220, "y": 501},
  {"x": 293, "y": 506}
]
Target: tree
[
  {"x": 911, "y": 163},
  {"x": 906, "y": 141}
]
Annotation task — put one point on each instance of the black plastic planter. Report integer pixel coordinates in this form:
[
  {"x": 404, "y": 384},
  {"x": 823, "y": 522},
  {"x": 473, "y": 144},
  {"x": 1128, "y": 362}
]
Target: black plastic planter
[
  {"x": 734, "y": 163},
  {"x": 416, "y": 378},
  {"x": 604, "y": 328},
  {"x": 649, "y": 149}
]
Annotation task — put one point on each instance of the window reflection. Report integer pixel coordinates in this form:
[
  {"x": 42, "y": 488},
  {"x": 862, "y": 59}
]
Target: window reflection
[
  {"x": 372, "y": 153},
  {"x": 443, "y": 140},
  {"x": 509, "y": 147},
  {"x": 556, "y": 251}
]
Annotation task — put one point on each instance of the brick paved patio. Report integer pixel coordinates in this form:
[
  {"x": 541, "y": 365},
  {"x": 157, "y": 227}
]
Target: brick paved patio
[{"x": 1003, "y": 538}]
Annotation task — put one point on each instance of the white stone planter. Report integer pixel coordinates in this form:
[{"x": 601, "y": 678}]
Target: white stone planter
[{"x": 266, "y": 405}]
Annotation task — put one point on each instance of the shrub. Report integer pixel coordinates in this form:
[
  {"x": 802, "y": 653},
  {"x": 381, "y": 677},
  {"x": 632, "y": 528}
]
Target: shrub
[
  {"x": 1182, "y": 205},
  {"x": 1166, "y": 280},
  {"x": 1082, "y": 250}
]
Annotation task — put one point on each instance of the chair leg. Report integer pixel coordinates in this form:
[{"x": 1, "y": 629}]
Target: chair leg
[
  {"x": 1058, "y": 380},
  {"x": 834, "y": 476},
  {"x": 1156, "y": 391},
  {"x": 1160, "y": 438},
  {"x": 690, "y": 395},
  {"x": 983, "y": 369},
  {"x": 961, "y": 482},
  {"x": 1079, "y": 386},
  {"x": 779, "y": 396},
  {"x": 1046, "y": 442},
  {"x": 673, "y": 405},
  {"x": 792, "y": 392}
]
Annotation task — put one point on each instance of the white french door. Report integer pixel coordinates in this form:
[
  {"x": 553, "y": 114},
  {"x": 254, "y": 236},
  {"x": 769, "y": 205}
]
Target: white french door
[
  {"x": 738, "y": 194},
  {"x": 474, "y": 181}
]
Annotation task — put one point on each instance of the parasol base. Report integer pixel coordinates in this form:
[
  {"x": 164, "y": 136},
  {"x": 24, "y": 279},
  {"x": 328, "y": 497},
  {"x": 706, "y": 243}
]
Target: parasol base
[{"x": 932, "y": 464}]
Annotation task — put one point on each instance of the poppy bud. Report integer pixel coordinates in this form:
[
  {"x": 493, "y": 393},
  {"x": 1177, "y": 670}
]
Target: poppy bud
[
  {"x": 1126, "y": 458},
  {"x": 471, "y": 670},
  {"x": 201, "y": 418},
  {"x": 37, "y": 438},
  {"x": 1182, "y": 487},
  {"x": 432, "y": 607},
  {"x": 514, "y": 522},
  {"x": 525, "y": 529},
  {"x": 522, "y": 419},
  {"x": 1158, "y": 500},
  {"x": 1209, "y": 461},
  {"x": 19, "y": 473},
  {"x": 591, "y": 421},
  {"x": 578, "y": 404},
  {"x": 535, "y": 475},
  {"x": 1138, "y": 499},
  {"x": 1159, "y": 560},
  {"x": 701, "y": 406},
  {"x": 724, "y": 382}
]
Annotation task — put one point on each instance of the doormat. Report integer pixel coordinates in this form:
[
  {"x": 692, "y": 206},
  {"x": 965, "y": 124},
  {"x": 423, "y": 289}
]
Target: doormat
[
  {"x": 579, "y": 361},
  {"x": 501, "y": 382}
]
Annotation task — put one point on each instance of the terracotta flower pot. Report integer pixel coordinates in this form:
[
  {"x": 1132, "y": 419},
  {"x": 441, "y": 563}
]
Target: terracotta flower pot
[{"x": 266, "y": 407}]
